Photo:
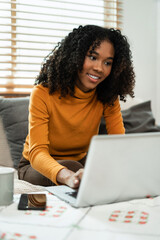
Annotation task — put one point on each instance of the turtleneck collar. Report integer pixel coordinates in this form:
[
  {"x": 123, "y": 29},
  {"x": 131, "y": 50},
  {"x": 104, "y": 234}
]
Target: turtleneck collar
[{"x": 83, "y": 95}]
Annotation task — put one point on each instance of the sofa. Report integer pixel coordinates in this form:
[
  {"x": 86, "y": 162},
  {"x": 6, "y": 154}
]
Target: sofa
[{"x": 137, "y": 117}]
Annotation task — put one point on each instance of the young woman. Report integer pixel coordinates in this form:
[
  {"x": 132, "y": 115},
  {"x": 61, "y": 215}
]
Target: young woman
[{"x": 81, "y": 80}]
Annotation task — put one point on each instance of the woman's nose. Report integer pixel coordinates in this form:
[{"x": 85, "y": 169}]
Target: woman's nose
[{"x": 98, "y": 66}]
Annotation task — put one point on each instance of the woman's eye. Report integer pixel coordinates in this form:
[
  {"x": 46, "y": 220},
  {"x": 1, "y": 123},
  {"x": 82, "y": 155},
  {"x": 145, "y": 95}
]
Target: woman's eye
[
  {"x": 108, "y": 63},
  {"x": 92, "y": 57}
]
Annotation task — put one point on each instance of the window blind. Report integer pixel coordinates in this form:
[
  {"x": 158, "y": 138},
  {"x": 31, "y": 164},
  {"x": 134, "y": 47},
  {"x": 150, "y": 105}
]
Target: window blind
[{"x": 29, "y": 30}]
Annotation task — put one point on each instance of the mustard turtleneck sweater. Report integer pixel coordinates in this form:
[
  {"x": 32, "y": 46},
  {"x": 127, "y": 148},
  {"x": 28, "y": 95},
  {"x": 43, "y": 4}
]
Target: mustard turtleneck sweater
[{"x": 61, "y": 128}]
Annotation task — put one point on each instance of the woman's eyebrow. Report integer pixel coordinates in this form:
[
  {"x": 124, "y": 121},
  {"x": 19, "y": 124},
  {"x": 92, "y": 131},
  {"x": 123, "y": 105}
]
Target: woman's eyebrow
[
  {"x": 93, "y": 51},
  {"x": 111, "y": 58},
  {"x": 96, "y": 53}
]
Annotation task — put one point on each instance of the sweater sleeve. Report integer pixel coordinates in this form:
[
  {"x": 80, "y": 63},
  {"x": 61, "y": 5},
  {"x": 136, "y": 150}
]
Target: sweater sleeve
[
  {"x": 113, "y": 118},
  {"x": 39, "y": 156}
]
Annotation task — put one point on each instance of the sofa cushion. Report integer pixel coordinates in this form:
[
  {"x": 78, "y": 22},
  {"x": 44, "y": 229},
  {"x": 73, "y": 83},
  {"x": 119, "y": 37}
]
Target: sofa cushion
[
  {"x": 5, "y": 155},
  {"x": 137, "y": 119},
  {"x": 14, "y": 114}
]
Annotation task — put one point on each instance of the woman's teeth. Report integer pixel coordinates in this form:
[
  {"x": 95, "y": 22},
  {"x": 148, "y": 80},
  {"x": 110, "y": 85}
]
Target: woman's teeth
[{"x": 94, "y": 77}]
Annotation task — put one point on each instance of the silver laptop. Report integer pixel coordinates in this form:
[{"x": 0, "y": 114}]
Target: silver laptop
[{"x": 118, "y": 168}]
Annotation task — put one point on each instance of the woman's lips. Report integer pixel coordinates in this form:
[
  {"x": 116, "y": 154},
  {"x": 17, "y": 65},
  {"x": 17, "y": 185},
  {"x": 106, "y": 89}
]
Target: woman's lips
[{"x": 93, "y": 78}]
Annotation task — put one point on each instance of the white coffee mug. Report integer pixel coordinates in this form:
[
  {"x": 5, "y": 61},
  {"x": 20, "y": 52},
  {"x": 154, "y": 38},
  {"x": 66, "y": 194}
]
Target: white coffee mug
[{"x": 6, "y": 185}]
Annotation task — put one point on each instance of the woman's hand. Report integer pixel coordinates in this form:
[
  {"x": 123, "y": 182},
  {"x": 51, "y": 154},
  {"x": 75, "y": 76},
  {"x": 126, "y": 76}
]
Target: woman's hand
[{"x": 69, "y": 178}]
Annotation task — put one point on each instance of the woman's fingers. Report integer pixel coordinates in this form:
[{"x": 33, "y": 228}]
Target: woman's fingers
[
  {"x": 77, "y": 178},
  {"x": 79, "y": 173},
  {"x": 67, "y": 177}
]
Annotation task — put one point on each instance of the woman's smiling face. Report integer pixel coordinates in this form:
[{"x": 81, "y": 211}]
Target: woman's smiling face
[{"x": 96, "y": 67}]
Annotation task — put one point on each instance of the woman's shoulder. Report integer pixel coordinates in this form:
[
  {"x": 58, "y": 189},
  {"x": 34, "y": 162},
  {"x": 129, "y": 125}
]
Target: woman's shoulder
[
  {"x": 113, "y": 108},
  {"x": 39, "y": 93},
  {"x": 40, "y": 89},
  {"x": 40, "y": 97}
]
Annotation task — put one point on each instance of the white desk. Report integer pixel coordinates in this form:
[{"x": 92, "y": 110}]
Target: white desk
[{"x": 133, "y": 220}]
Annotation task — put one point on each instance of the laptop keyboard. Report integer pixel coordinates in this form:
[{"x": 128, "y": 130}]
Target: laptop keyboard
[{"x": 72, "y": 194}]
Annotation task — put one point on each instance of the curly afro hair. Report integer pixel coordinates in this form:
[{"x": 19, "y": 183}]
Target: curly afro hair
[{"x": 61, "y": 66}]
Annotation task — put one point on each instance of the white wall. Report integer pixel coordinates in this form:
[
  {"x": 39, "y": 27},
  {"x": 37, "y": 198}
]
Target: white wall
[
  {"x": 158, "y": 63},
  {"x": 140, "y": 26}
]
